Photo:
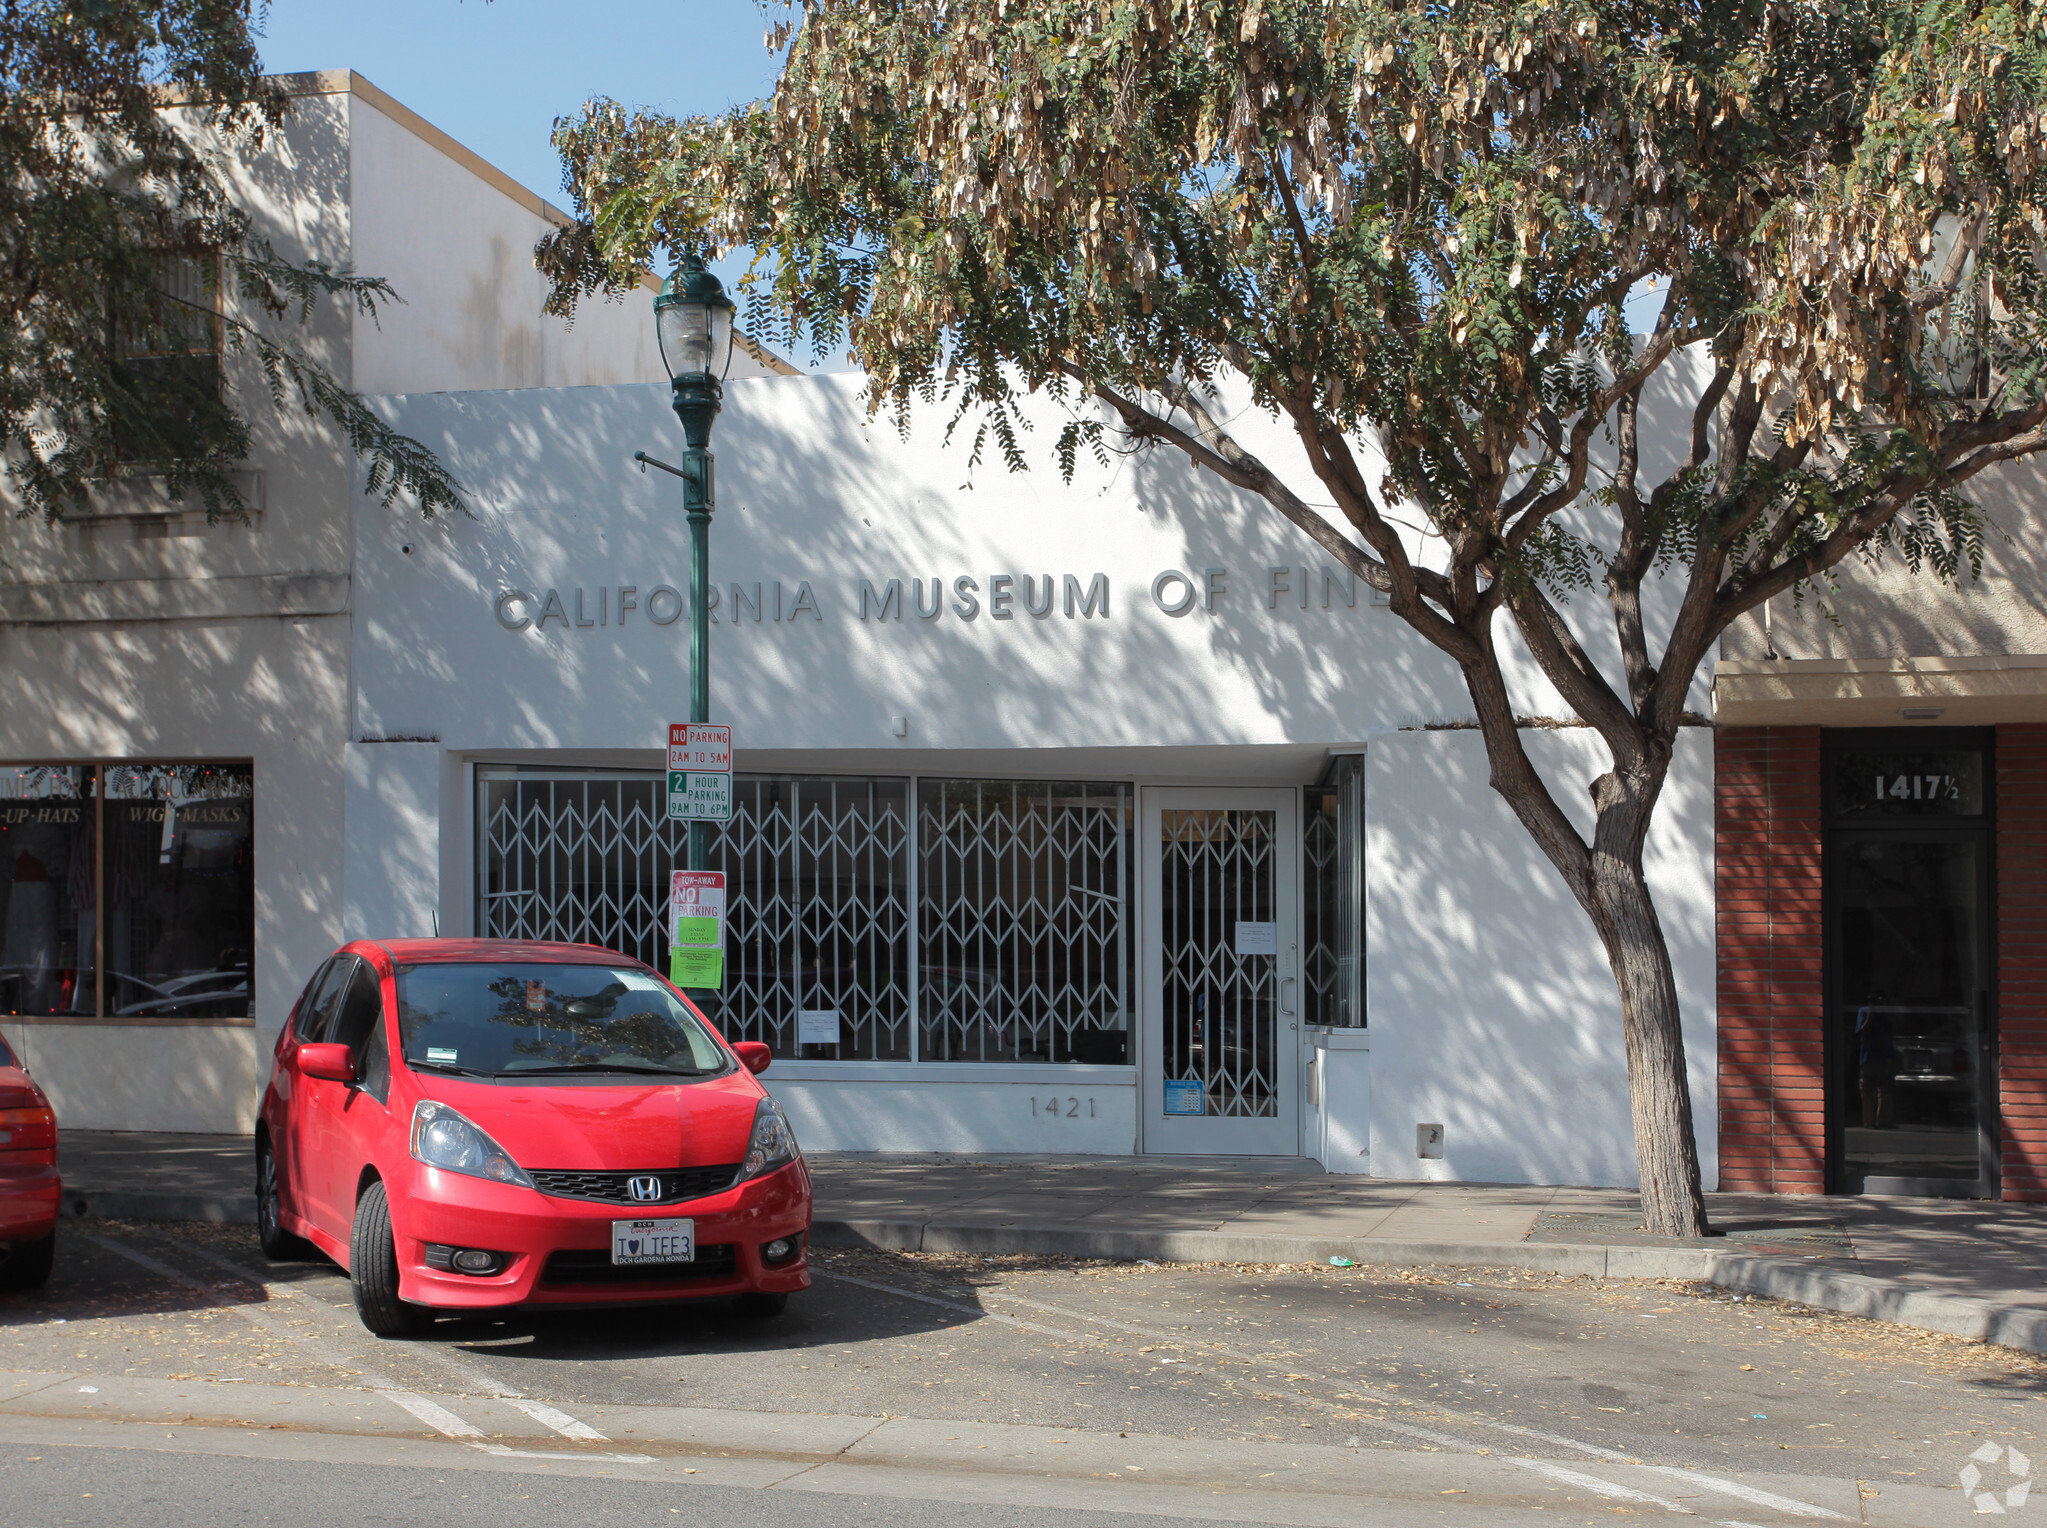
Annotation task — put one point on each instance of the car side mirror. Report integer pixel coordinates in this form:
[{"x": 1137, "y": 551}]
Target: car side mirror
[
  {"x": 332, "y": 1062},
  {"x": 753, "y": 1055}
]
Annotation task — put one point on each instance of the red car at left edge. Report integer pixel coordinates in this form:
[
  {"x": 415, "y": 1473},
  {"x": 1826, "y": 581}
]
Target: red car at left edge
[{"x": 30, "y": 1188}]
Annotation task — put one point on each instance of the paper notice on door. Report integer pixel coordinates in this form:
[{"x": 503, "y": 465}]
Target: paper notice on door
[
  {"x": 817, "y": 1026},
  {"x": 696, "y": 919},
  {"x": 1257, "y": 938}
]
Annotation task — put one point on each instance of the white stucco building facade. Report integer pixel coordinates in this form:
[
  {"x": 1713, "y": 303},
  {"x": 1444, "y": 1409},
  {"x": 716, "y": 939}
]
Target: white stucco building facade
[{"x": 1027, "y": 770}]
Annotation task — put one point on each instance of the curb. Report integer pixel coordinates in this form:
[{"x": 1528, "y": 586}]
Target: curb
[
  {"x": 1798, "y": 1280},
  {"x": 115, "y": 1204},
  {"x": 1585, "y": 1261},
  {"x": 1858, "y": 1294}
]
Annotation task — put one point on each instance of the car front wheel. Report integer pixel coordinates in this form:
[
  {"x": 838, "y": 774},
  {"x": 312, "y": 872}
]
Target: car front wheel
[{"x": 373, "y": 1271}]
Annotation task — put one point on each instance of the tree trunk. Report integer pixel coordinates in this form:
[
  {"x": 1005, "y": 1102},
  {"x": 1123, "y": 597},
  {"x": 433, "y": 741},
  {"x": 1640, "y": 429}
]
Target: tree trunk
[{"x": 1659, "y": 1090}]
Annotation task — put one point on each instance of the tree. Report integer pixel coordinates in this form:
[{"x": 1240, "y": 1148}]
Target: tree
[
  {"x": 119, "y": 241},
  {"x": 1413, "y": 232}
]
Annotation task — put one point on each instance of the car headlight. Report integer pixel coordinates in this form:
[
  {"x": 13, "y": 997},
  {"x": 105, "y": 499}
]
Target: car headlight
[
  {"x": 773, "y": 1144},
  {"x": 444, "y": 1139}
]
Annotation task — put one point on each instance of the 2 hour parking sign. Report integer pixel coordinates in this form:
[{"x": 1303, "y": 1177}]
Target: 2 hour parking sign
[{"x": 699, "y": 797}]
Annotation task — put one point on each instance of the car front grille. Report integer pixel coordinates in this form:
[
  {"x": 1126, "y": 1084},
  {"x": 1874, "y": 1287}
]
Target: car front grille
[
  {"x": 718, "y": 1261},
  {"x": 677, "y": 1184}
]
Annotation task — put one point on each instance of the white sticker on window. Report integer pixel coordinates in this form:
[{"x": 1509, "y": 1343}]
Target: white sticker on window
[
  {"x": 639, "y": 981},
  {"x": 1257, "y": 938},
  {"x": 434, "y": 1053}
]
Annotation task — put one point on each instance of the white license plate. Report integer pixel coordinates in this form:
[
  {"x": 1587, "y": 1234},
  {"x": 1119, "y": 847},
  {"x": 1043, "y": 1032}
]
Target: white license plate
[{"x": 653, "y": 1241}]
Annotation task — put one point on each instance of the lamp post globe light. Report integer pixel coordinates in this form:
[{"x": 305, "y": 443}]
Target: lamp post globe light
[{"x": 693, "y": 325}]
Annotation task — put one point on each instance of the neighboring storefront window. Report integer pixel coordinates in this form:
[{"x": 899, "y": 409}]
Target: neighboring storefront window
[
  {"x": 179, "y": 890},
  {"x": 1015, "y": 945},
  {"x": 147, "y": 864},
  {"x": 49, "y": 887}
]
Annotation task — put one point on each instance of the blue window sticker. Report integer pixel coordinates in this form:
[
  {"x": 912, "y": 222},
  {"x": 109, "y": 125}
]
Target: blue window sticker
[{"x": 1185, "y": 1095}]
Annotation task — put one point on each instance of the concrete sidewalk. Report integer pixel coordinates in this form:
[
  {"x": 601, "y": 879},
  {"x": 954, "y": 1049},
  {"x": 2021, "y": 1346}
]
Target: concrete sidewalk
[{"x": 1971, "y": 1269}]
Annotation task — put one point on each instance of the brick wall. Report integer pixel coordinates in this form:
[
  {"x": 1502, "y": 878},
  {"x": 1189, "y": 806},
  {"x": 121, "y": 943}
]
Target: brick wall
[
  {"x": 2022, "y": 957},
  {"x": 1766, "y": 832}
]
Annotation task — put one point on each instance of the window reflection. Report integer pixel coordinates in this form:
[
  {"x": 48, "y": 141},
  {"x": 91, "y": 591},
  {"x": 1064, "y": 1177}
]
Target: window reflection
[
  {"x": 47, "y": 890},
  {"x": 180, "y": 890}
]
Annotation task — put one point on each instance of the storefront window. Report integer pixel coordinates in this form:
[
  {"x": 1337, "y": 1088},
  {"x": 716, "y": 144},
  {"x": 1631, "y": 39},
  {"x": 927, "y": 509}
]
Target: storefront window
[
  {"x": 817, "y": 936},
  {"x": 817, "y": 912},
  {"x": 180, "y": 890},
  {"x": 580, "y": 857},
  {"x": 1016, "y": 945},
  {"x": 48, "y": 890},
  {"x": 1023, "y": 912},
  {"x": 148, "y": 865}
]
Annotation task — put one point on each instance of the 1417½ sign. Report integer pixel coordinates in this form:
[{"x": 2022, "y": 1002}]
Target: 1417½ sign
[{"x": 699, "y": 772}]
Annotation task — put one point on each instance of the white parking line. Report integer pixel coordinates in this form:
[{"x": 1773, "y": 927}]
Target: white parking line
[
  {"x": 555, "y": 1456},
  {"x": 560, "y": 1421},
  {"x": 1597, "y": 1486},
  {"x": 437, "y": 1417},
  {"x": 1749, "y": 1494}
]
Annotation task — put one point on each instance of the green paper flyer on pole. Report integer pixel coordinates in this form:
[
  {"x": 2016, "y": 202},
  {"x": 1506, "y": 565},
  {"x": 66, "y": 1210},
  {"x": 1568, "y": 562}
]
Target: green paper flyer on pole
[{"x": 696, "y": 923}]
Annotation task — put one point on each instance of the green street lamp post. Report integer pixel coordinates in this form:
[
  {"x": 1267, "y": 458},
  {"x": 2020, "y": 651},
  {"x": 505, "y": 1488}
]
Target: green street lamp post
[{"x": 693, "y": 323}]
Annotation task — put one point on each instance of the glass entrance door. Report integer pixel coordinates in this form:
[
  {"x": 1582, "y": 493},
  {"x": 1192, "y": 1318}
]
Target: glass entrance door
[
  {"x": 1222, "y": 972},
  {"x": 1911, "y": 1047}
]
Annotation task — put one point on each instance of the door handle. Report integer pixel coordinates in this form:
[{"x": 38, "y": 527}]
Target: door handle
[{"x": 1284, "y": 1006}]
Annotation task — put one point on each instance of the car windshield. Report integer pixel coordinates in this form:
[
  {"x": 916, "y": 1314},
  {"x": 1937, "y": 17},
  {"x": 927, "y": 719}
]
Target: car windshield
[
  {"x": 6, "y": 1055},
  {"x": 508, "y": 1018}
]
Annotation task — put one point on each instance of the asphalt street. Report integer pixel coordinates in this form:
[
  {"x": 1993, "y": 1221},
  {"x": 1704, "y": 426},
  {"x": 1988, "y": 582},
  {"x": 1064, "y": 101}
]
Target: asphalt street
[{"x": 169, "y": 1374}]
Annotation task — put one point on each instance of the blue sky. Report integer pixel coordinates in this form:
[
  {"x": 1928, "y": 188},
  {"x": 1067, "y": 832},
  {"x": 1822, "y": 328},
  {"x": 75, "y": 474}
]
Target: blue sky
[{"x": 495, "y": 76}]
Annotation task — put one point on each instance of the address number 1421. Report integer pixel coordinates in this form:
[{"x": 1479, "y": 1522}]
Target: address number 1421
[{"x": 1062, "y": 1108}]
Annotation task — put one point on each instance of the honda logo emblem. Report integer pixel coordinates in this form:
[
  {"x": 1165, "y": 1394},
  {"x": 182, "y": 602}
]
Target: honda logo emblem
[{"x": 645, "y": 1190}]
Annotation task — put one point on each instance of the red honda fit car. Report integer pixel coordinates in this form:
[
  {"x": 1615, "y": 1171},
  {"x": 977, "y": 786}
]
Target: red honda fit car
[{"x": 473, "y": 1124}]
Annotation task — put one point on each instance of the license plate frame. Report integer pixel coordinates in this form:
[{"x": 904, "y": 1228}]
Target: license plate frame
[{"x": 638, "y": 1243}]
